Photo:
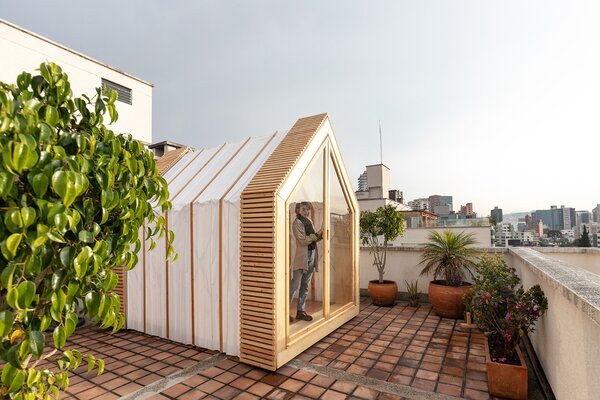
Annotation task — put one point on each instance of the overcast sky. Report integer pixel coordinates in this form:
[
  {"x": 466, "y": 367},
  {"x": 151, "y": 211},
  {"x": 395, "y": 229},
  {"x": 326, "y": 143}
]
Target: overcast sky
[{"x": 493, "y": 103}]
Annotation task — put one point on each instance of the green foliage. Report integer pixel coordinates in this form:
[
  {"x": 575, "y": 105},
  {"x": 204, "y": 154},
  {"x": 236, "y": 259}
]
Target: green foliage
[
  {"x": 414, "y": 294},
  {"x": 448, "y": 255},
  {"x": 73, "y": 196},
  {"x": 377, "y": 229},
  {"x": 585, "y": 238},
  {"x": 502, "y": 309}
]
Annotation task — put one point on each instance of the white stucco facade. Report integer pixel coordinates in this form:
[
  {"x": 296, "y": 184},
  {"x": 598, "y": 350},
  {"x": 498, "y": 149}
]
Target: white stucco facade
[{"x": 22, "y": 50}]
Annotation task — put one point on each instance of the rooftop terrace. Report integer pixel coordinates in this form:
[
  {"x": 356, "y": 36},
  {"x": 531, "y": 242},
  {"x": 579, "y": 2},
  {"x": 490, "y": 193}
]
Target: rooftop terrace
[{"x": 395, "y": 352}]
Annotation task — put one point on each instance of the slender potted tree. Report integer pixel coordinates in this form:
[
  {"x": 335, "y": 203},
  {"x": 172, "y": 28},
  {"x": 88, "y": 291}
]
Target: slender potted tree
[
  {"x": 505, "y": 312},
  {"x": 377, "y": 229},
  {"x": 448, "y": 257}
]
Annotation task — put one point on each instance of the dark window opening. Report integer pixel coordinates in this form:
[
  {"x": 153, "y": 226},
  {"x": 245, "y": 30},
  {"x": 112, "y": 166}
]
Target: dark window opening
[{"x": 124, "y": 94}]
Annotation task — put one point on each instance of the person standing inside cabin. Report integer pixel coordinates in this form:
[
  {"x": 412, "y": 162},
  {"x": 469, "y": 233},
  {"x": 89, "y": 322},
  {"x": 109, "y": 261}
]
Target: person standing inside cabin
[{"x": 305, "y": 258}]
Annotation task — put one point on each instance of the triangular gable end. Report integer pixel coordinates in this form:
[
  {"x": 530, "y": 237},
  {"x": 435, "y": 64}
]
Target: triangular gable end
[{"x": 266, "y": 340}]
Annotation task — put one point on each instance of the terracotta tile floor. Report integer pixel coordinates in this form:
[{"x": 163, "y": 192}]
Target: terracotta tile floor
[{"x": 384, "y": 353}]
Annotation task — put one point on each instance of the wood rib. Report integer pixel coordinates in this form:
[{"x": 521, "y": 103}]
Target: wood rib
[{"x": 257, "y": 247}]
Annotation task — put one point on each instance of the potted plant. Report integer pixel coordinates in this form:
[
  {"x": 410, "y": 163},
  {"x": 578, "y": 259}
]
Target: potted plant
[
  {"x": 412, "y": 288},
  {"x": 447, "y": 255},
  {"x": 377, "y": 229},
  {"x": 505, "y": 313},
  {"x": 467, "y": 301}
]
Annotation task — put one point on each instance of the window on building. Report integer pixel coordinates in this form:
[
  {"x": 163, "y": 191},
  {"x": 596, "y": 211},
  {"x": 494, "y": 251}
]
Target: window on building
[{"x": 124, "y": 94}]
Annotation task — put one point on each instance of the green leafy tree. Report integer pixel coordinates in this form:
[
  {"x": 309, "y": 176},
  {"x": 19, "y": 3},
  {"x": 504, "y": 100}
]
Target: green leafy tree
[
  {"x": 585, "y": 238},
  {"x": 377, "y": 229},
  {"x": 448, "y": 255},
  {"x": 73, "y": 196}
]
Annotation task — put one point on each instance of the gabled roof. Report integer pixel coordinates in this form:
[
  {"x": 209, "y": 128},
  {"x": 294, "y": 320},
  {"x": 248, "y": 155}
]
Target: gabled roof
[{"x": 168, "y": 160}]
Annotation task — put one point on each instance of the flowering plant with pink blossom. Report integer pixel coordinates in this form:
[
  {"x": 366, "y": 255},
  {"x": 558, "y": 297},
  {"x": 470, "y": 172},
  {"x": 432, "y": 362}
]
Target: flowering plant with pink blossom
[{"x": 503, "y": 310}]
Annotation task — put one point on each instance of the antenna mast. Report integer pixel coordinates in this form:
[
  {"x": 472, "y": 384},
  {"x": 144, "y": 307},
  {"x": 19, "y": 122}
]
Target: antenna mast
[{"x": 380, "y": 145}]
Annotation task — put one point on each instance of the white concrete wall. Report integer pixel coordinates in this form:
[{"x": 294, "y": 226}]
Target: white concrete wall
[
  {"x": 586, "y": 258},
  {"x": 402, "y": 264},
  {"x": 25, "y": 51},
  {"x": 567, "y": 337},
  {"x": 419, "y": 236}
]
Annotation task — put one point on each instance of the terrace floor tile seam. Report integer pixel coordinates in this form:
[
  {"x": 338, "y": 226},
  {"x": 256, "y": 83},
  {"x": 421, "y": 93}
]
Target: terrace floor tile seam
[
  {"x": 464, "y": 375},
  {"x": 413, "y": 335},
  {"x": 370, "y": 383},
  {"x": 175, "y": 378}
]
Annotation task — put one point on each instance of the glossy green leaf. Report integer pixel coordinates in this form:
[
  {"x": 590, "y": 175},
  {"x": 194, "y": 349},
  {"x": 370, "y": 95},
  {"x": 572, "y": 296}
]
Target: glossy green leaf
[
  {"x": 23, "y": 156},
  {"x": 28, "y": 215},
  {"x": 17, "y": 382},
  {"x": 51, "y": 116},
  {"x": 6, "y": 322},
  {"x": 86, "y": 236},
  {"x": 6, "y": 278},
  {"x": 6, "y": 183},
  {"x": 36, "y": 343},
  {"x": 70, "y": 323},
  {"x": 13, "y": 242},
  {"x": 100, "y": 363},
  {"x": 59, "y": 337},
  {"x": 26, "y": 291},
  {"x": 92, "y": 303}
]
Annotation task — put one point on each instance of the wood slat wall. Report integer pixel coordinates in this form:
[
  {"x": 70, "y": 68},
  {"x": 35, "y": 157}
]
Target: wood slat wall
[
  {"x": 121, "y": 288},
  {"x": 258, "y": 333}
]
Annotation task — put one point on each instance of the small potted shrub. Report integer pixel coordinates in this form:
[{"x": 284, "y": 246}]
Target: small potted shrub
[
  {"x": 377, "y": 229},
  {"x": 412, "y": 288},
  {"x": 448, "y": 257},
  {"x": 505, "y": 312}
]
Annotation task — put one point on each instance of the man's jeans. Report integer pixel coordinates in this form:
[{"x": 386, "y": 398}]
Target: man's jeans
[{"x": 302, "y": 278}]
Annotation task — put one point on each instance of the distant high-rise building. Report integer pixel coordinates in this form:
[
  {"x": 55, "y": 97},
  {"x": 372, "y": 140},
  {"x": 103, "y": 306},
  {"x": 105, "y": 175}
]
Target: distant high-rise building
[
  {"x": 496, "y": 213},
  {"x": 362, "y": 182},
  {"x": 467, "y": 211},
  {"x": 557, "y": 219},
  {"x": 441, "y": 205},
  {"x": 583, "y": 217},
  {"x": 596, "y": 214},
  {"x": 420, "y": 204}
]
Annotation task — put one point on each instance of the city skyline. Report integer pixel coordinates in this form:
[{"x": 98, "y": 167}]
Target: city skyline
[{"x": 486, "y": 102}]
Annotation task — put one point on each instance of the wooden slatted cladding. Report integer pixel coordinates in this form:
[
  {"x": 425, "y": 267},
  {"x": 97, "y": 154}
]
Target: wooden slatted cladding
[
  {"x": 258, "y": 328},
  {"x": 121, "y": 288}
]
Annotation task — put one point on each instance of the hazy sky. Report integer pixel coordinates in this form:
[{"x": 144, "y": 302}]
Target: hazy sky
[{"x": 493, "y": 103}]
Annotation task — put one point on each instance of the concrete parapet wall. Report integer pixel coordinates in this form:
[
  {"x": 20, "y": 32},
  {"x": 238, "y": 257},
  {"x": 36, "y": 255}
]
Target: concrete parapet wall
[
  {"x": 403, "y": 264},
  {"x": 586, "y": 258},
  {"x": 567, "y": 336}
]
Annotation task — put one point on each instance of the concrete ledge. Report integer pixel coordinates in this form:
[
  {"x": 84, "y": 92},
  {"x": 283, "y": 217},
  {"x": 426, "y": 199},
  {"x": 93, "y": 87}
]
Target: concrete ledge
[
  {"x": 578, "y": 286},
  {"x": 574, "y": 250}
]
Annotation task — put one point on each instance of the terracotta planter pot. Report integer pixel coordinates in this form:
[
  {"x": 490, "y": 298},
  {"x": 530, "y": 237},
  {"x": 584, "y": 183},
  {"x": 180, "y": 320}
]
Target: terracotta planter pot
[
  {"x": 506, "y": 380},
  {"x": 383, "y": 294},
  {"x": 447, "y": 300}
]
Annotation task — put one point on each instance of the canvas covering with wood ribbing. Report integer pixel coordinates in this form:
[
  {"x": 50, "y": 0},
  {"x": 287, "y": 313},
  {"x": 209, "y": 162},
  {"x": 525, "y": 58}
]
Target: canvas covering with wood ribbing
[{"x": 196, "y": 300}]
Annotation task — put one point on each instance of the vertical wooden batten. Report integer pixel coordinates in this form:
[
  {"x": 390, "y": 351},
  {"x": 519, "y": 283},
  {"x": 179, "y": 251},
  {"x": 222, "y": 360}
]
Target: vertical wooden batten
[{"x": 258, "y": 327}]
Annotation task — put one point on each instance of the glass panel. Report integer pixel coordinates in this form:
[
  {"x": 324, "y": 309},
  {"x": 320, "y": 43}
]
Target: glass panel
[
  {"x": 340, "y": 269},
  {"x": 306, "y": 215}
]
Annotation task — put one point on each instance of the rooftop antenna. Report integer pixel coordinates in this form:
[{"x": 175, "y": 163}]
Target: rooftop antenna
[{"x": 380, "y": 145}]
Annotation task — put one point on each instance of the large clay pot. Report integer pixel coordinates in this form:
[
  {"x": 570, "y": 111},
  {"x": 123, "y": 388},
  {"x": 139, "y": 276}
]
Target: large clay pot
[
  {"x": 506, "y": 380},
  {"x": 447, "y": 300},
  {"x": 383, "y": 294}
]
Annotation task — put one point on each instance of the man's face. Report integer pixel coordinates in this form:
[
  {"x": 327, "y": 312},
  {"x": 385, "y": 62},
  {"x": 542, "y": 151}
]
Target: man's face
[{"x": 304, "y": 211}]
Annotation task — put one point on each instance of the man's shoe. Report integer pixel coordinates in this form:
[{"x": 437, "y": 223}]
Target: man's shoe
[
  {"x": 291, "y": 319},
  {"x": 303, "y": 316}
]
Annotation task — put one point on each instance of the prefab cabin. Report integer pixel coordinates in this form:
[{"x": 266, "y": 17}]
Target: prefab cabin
[{"x": 233, "y": 208}]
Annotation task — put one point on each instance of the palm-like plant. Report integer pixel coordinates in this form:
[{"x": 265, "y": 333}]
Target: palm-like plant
[{"x": 448, "y": 255}]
